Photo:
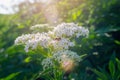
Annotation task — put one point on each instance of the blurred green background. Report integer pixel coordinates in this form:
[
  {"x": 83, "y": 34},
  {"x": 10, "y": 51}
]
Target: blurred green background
[{"x": 102, "y": 47}]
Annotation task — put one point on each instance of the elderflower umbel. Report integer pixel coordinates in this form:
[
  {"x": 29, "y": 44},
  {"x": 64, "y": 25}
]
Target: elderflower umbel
[
  {"x": 33, "y": 40},
  {"x": 41, "y": 27},
  {"x": 37, "y": 26},
  {"x": 63, "y": 55},
  {"x": 67, "y": 59},
  {"x": 70, "y": 30},
  {"x": 23, "y": 39}
]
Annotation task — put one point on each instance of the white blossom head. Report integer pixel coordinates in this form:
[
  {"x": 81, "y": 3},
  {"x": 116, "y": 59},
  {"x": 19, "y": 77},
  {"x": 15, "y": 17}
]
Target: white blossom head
[
  {"x": 63, "y": 55},
  {"x": 68, "y": 59},
  {"x": 33, "y": 41},
  {"x": 39, "y": 26},
  {"x": 70, "y": 30},
  {"x": 47, "y": 63},
  {"x": 23, "y": 39}
]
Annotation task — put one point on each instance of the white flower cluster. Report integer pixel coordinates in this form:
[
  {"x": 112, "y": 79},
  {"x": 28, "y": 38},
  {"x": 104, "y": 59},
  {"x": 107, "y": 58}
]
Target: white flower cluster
[
  {"x": 32, "y": 41},
  {"x": 22, "y": 39},
  {"x": 69, "y": 30},
  {"x": 47, "y": 63},
  {"x": 58, "y": 40},
  {"x": 37, "y": 26},
  {"x": 61, "y": 57},
  {"x": 65, "y": 55}
]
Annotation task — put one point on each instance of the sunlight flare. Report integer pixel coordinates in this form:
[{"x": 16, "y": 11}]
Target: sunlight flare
[
  {"x": 46, "y": 1},
  {"x": 68, "y": 65}
]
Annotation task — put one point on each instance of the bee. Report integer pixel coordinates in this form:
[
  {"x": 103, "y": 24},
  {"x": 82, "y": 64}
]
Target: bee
[{"x": 58, "y": 39}]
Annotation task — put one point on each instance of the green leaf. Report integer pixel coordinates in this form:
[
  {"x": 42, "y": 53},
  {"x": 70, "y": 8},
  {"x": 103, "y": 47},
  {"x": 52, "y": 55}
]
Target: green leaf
[
  {"x": 27, "y": 60},
  {"x": 117, "y": 42},
  {"x": 118, "y": 63},
  {"x": 11, "y": 76},
  {"x": 112, "y": 68},
  {"x": 101, "y": 75},
  {"x": 107, "y": 29},
  {"x": 84, "y": 55}
]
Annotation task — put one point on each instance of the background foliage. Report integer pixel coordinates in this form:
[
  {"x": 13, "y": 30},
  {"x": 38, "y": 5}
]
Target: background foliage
[{"x": 102, "y": 47}]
